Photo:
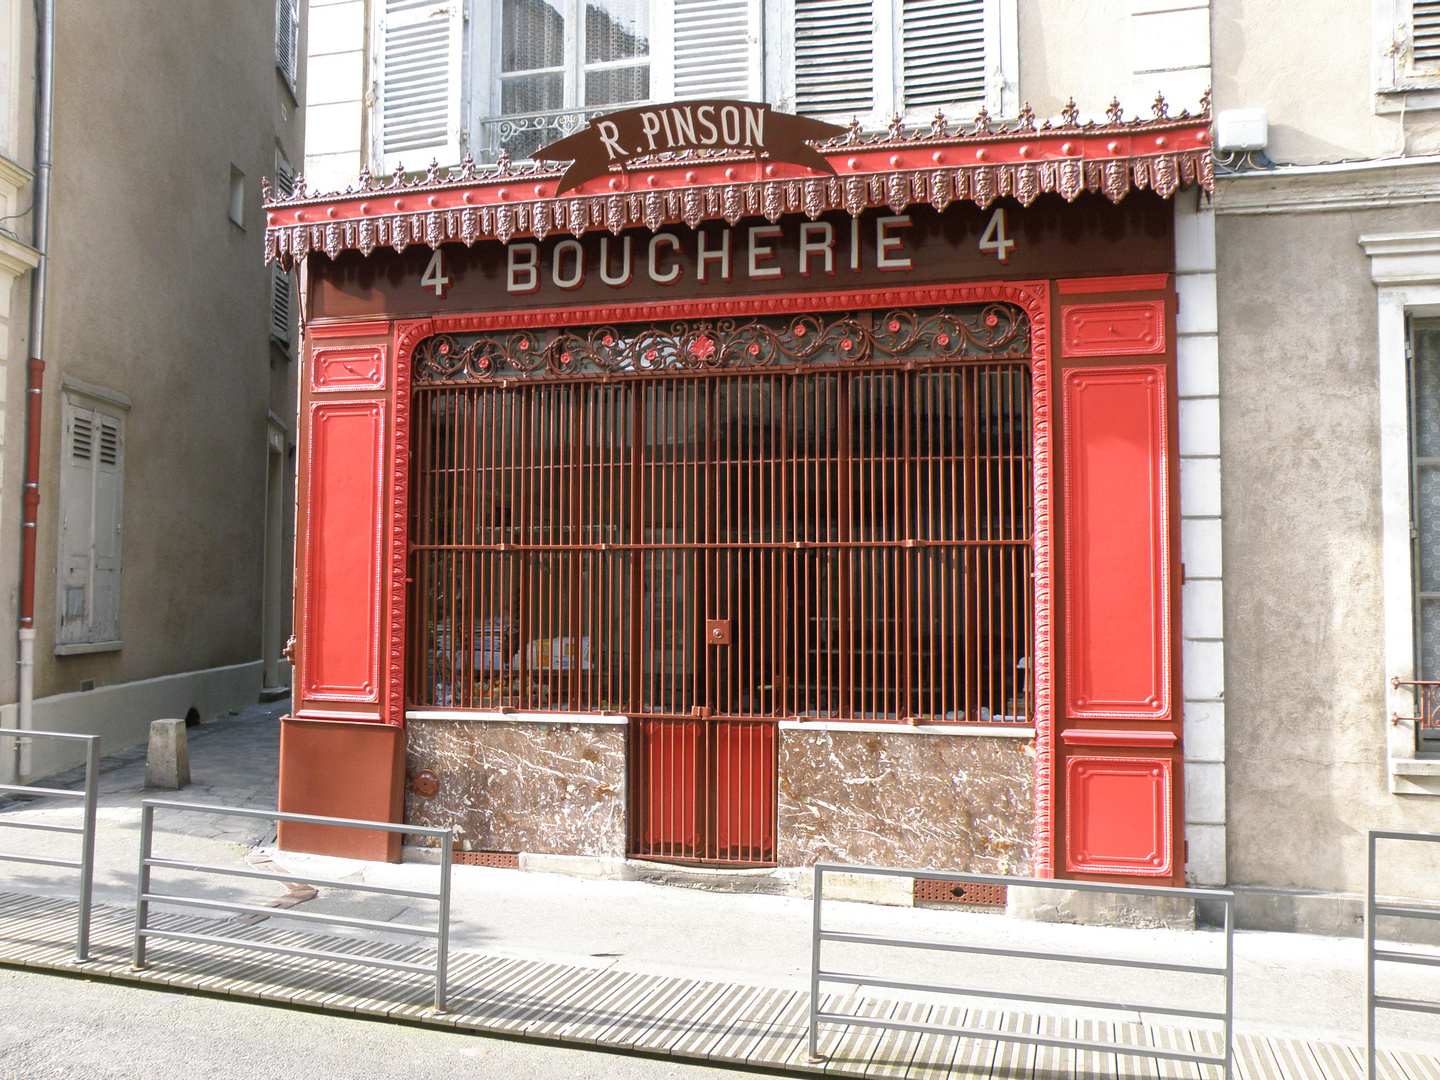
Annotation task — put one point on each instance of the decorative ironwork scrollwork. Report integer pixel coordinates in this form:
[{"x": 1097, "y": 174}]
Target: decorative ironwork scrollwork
[
  {"x": 998, "y": 331},
  {"x": 1427, "y": 703}
]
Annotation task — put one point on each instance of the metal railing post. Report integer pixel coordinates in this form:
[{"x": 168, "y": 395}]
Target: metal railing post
[
  {"x": 87, "y": 846},
  {"x": 1370, "y": 956},
  {"x": 147, "y": 894},
  {"x": 1229, "y": 902},
  {"x": 142, "y": 885},
  {"x": 819, "y": 892},
  {"x": 1037, "y": 996},
  {"x": 442, "y": 944}
]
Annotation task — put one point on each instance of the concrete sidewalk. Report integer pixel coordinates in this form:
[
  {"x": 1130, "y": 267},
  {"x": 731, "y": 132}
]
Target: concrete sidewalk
[{"x": 1286, "y": 985}]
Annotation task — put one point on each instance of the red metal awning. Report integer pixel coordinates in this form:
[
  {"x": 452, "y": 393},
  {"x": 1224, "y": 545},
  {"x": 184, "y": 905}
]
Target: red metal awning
[{"x": 896, "y": 169}]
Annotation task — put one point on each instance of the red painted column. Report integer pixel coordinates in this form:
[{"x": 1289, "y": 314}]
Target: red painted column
[
  {"x": 1118, "y": 774},
  {"x": 342, "y": 752}
]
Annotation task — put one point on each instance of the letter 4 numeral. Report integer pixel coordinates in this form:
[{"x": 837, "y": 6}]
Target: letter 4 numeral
[
  {"x": 995, "y": 238},
  {"x": 435, "y": 273}
]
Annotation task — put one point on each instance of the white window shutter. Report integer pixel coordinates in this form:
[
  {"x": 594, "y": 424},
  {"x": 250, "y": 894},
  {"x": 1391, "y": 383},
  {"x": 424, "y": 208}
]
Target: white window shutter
[
  {"x": 834, "y": 56},
  {"x": 1425, "y": 35},
  {"x": 715, "y": 51},
  {"x": 109, "y": 485},
  {"x": 942, "y": 52},
  {"x": 418, "y": 109},
  {"x": 77, "y": 481}
]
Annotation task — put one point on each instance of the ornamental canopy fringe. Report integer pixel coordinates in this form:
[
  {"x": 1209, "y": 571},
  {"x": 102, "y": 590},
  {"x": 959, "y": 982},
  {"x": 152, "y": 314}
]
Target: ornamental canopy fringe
[{"x": 895, "y": 169}]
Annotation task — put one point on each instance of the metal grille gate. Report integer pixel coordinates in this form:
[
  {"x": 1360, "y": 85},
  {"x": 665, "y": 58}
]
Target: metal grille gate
[{"x": 710, "y": 553}]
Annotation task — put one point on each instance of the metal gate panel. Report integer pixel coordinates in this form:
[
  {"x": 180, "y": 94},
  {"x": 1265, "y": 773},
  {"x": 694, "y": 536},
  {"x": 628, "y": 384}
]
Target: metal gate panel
[{"x": 710, "y": 551}]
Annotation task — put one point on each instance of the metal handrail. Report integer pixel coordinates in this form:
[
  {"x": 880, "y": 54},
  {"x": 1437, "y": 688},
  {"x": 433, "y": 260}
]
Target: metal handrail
[
  {"x": 86, "y": 830},
  {"x": 1373, "y": 910},
  {"x": 144, "y": 897},
  {"x": 818, "y": 975}
]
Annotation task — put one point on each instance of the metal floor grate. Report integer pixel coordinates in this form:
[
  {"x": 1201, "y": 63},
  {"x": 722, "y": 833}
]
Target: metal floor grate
[
  {"x": 929, "y": 891},
  {"x": 503, "y": 860}
]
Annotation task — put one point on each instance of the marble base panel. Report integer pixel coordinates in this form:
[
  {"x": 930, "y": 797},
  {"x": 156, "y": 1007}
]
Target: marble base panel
[
  {"x": 942, "y": 802},
  {"x": 555, "y": 789}
]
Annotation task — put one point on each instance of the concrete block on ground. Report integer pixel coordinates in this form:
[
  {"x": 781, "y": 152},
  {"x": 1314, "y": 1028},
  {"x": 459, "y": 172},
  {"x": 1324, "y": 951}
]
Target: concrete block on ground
[
  {"x": 1099, "y": 908},
  {"x": 167, "y": 763},
  {"x": 871, "y": 889}
]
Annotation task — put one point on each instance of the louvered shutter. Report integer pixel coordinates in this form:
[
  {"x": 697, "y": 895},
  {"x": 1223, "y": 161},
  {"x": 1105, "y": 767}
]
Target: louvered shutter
[
  {"x": 105, "y": 568},
  {"x": 280, "y": 310},
  {"x": 1425, "y": 35},
  {"x": 715, "y": 51},
  {"x": 287, "y": 39},
  {"x": 834, "y": 56},
  {"x": 76, "y": 521},
  {"x": 91, "y": 487},
  {"x": 419, "y": 83},
  {"x": 942, "y": 52}
]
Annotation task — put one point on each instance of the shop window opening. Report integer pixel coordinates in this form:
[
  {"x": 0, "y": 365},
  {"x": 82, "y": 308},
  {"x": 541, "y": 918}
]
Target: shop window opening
[{"x": 710, "y": 527}]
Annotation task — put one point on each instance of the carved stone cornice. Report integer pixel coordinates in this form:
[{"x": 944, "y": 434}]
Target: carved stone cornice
[
  {"x": 895, "y": 170},
  {"x": 12, "y": 174},
  {"x": 1358, "y": 185},
  {"x": 16, "y": 258}
]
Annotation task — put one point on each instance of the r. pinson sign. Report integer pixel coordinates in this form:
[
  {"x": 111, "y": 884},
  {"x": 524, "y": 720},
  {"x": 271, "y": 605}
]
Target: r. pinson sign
[{"x": 693, "y": 125}]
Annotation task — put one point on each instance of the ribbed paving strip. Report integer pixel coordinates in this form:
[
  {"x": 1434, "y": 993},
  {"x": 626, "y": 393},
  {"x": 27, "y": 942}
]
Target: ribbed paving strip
[{"x": 757, "y": 1026}]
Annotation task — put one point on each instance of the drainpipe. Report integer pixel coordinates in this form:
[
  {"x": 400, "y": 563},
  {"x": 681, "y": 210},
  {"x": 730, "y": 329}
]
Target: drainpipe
[{"x": 40, "y": 240}]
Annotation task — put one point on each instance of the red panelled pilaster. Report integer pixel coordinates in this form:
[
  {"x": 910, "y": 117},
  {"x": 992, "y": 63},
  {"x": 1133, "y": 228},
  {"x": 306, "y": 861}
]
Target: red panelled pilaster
[
  {"x": 1118, "y": 754},
  {"x": 338, "y": 755},
  {"x": 1116, "y": 542},
  {"x": 341, "y": 574}
]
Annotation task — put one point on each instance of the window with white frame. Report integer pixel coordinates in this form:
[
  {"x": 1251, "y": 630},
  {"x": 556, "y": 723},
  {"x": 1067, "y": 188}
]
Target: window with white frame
[
  {"x": 1423, "y": 352},
  {"x": 92, "y": 480},
  {"x": 489, "y": 75},
  {"x": 875, "y": 58}
]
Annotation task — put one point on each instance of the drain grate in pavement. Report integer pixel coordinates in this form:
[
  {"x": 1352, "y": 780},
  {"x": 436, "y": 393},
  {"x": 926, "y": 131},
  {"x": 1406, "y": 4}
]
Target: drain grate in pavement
[
  {"x": 504, "y": 860},
  {"x": 930, "y": 891}
]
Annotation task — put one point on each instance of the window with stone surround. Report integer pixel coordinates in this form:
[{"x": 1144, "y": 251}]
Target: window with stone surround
[{"x": 1406, "y": 270}]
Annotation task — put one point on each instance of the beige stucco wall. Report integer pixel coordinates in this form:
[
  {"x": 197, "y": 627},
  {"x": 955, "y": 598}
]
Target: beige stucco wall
[
  {"x": 1305, "y": 671},
  {"x": 156, "y": 294},
  {"x": 1308, "y": 62},
  {"x": 1073, "y": 47}
]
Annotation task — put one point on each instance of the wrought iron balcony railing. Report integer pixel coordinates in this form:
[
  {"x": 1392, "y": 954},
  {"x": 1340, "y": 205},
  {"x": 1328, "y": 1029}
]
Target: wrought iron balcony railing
[
  {"x": 521, "y": 135},
  {"x": 1427, "y": 703}
]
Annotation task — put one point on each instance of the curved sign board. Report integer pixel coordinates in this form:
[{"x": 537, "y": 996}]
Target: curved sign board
[{"x": 745, "y": 126}]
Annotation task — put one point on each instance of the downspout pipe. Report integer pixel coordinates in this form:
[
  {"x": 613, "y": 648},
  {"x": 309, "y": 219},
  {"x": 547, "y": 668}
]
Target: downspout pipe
[{"x": 40, "y": 240}]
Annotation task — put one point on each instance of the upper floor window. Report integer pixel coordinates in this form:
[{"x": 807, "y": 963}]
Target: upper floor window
[
  {"x": 874, "y": 58},
  {"x": 539, "y": 59},
  {"x": 490, "y": 75}
]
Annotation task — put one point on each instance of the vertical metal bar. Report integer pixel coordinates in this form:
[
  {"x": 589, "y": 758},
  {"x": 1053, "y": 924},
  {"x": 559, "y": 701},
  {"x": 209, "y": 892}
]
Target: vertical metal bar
[
  {"x": 1370, "y": 957},
  {"x": 87, "y": 846},
  {"x": 442, "y": 944},
  {"x": 1229, "y": 985},
  {"x": 142, "y": 885},
  {"x": 818, "y": 895}
]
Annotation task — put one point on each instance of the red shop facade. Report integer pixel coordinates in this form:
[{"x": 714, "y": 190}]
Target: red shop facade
[{"x": 721, "y": 511}]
